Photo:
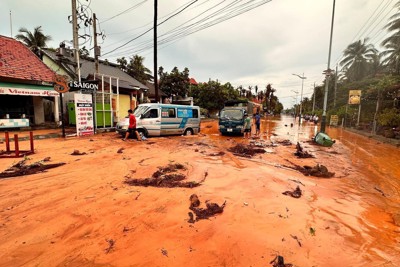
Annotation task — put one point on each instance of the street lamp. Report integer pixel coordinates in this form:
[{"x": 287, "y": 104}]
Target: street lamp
[
  {"x": 327, "y": 74},
  {"x": 301, "y": 95},
  {"x": 295, "y": 103}
]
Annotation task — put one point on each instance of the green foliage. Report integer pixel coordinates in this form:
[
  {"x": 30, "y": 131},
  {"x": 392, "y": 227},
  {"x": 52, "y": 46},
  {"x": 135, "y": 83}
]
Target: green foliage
[
  {"x": 213, "y": 95},
  {"x": 175, "y": 83},
  {"x": 137, "y": 70},
  {"x": 389, "y": 117},
  {"x": 359, "y": 59},
  {"x": 34, "y": 40}
]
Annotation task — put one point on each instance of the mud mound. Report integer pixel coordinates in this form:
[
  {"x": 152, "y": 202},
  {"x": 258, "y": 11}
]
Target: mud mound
[
  {"x": 203, "y": 213},
  {"x": 247, "y": 151},
  {"x": 318, "y": 170},
  {"x": 301, "y": 153},
  {"x": 295, "y": 193},
  {"x": 167, "y": 176},
  {"x": 20, "y": 168}
]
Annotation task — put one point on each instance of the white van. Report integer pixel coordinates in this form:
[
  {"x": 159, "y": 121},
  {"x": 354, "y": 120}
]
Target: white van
[{"x": 155, "y": 119}]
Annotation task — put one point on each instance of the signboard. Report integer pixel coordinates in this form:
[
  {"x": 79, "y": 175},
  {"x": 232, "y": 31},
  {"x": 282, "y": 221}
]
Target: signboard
[
  {"x": 61, "y": 85},
  {"x": 84, "y": 114},
  {"x": 354, "y": 97},
  {"x": 86, "y": 85},
  {"x": 26, "y": 91},
  {"x": 334, "y": 120}
]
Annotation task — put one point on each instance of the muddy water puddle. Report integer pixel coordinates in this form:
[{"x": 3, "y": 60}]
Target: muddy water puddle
[{"x": 370, "y": 178}]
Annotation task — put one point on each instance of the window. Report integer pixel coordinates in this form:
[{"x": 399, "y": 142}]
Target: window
[
  {"x": 184, "y": 113},
  {"x": 168, "y": 113},
  {"x": 152, "y": 113},
  {"x": 195, "y": 113}
]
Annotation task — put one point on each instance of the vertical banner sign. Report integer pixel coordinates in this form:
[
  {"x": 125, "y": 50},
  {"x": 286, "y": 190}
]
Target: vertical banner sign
[
  {"x": 354, "y": 97},
  {"x": 84, "y": 114}
]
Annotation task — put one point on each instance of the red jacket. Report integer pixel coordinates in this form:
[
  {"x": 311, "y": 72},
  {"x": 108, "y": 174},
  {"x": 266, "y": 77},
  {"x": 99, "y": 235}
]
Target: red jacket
[{"x": 132, "y": 121}]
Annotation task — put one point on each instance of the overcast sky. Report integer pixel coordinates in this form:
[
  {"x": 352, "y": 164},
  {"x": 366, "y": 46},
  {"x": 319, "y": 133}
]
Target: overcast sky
[{"x": 264, "y": 45}]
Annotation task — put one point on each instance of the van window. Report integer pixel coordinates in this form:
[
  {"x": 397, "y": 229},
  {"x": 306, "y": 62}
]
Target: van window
[
  {"x": 168, "y": 113},
  {"x": 185, "y": 113},
  {"x": 195, "y": 113},
  {"x": 152, "y": 113}
]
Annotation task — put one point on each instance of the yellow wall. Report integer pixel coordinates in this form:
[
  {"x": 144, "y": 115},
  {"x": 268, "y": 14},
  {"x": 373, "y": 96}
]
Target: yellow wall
[{"x": 124, "y": 105}]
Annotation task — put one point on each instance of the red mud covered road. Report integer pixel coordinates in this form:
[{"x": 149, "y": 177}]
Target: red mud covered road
[{"x": 83, "y": 214}]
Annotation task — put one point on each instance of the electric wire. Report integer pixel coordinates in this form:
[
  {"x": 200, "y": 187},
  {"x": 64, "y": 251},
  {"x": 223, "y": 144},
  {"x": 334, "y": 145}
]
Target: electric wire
[
  {"x": 125, "y": 11},
  {"x": 230, "y": 11},
  {"x": 173, "y": 15}
]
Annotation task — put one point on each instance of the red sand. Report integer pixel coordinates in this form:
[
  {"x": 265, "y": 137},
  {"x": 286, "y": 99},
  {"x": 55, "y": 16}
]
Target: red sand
[{"x": 68, "y": 216}]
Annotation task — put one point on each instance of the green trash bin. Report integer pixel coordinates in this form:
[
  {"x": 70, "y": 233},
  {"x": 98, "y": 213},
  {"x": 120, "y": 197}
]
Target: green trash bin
[{"x": 323, "y": 139}]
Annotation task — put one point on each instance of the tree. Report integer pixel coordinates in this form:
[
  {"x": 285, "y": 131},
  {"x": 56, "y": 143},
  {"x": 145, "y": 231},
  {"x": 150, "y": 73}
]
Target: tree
[
  {"x": 175, "y": 83},
  {"x": 392, "y": 43},
  {"x": 213, "y": 95},
  {"x": 358, "y": 57},
  {"x": 34, "y": 40},
  {"x": 137, "y": 70},
  {"x": 123, "y": 64}
]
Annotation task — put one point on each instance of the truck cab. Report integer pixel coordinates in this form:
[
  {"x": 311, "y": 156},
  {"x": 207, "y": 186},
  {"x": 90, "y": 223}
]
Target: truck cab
[{"x": 231, "y": 120}]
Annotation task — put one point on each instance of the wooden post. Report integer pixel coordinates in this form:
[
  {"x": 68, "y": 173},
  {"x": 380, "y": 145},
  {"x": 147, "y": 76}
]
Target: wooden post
[
  {"x": 7, "y": 142},
  {"x": 16, "y": 145},
  {"x": 31, "y": 140}
]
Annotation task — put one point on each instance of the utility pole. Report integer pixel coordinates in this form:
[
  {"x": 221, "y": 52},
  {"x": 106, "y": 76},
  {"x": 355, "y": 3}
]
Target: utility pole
[
  {"x": 334, "y": 96},
  {"x": 75, "y": 38},
  {"x": 155, "y": 51},
  {"x": 327, "y": 74},
  {"x": 96, "y": 48},
  {"x": 313, "y": 104},
  {"x": 11, "y": 25},
  {"x": 301, "y": 96}
]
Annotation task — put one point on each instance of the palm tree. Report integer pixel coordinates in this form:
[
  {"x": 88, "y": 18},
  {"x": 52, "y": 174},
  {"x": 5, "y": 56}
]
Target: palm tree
[
  {"x": 137, "y": 70},
  {"x": 358, "y": 57},
  {"x": 34, "y": 40},
  {"x": 392, "y": 45}
]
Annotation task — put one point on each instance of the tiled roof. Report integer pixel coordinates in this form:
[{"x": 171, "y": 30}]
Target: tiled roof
[
  {"x": 18, "y": 62},
  {"x": 192, "y": 81},
  {"x": 88, "y": 68}
]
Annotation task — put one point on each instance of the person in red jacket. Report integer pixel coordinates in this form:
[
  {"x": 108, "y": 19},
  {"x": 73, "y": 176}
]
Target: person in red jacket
[{"x": 132, "y": 126}]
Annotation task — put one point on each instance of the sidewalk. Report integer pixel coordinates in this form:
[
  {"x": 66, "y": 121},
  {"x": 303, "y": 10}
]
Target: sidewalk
[{"x": 380, "y": 138}]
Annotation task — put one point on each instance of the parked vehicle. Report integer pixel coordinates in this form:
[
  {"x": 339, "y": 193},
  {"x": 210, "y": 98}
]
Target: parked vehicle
[
  {"x": 231, "y": 120},
  {"x": 231, "y": 117},
  {"x": 155, "y": 119}
]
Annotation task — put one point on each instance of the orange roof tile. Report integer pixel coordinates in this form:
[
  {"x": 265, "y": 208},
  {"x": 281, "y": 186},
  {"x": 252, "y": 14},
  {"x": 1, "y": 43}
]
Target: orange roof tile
[
  {"x": 192, "y": 81},
  {"x": 18, "y": 62}
]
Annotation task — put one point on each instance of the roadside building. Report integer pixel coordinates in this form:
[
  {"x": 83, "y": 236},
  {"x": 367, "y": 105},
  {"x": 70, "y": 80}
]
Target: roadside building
[
  {"x": 117, "y": 92},
  {"x": 27, "y": 96}
]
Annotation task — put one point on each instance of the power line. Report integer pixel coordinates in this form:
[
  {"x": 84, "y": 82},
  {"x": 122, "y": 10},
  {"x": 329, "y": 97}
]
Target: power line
[
  {"x": 229, "y": 11},
  {"x": 365, "y": 28},
  {"x": 173, "y": 15},
  {"x": 125, "y": 11}
]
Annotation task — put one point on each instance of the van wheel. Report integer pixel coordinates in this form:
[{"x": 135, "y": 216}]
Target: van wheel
[
  {"x": 188, "y": 132},
  {"x": 142, "y": 133}
]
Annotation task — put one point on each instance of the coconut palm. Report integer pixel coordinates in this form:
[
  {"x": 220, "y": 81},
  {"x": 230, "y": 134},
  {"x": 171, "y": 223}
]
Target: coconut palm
[
  {"x": 358, "y": 57},
  {"x": 34, "y": 40},
  {"x": 137, "y": 70},
  {"x": 392, "y": 53}
]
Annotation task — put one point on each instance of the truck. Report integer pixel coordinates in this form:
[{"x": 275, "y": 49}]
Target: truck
[{"x": 231, "y": 117}]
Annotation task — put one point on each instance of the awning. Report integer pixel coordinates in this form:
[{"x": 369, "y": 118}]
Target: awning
[{"x": 27, "y": 89}]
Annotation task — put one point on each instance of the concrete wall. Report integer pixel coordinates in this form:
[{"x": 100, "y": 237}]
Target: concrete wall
[{"x": 38, "y": 109}]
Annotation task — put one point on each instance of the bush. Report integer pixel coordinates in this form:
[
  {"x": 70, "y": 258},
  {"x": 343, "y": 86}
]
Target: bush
[{"x": 389, "y": 117}]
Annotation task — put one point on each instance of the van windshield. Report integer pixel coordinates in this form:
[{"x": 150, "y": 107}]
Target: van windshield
[
  {"x": 140, "y": 110},
  {"x": 232, "y": 114}
]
